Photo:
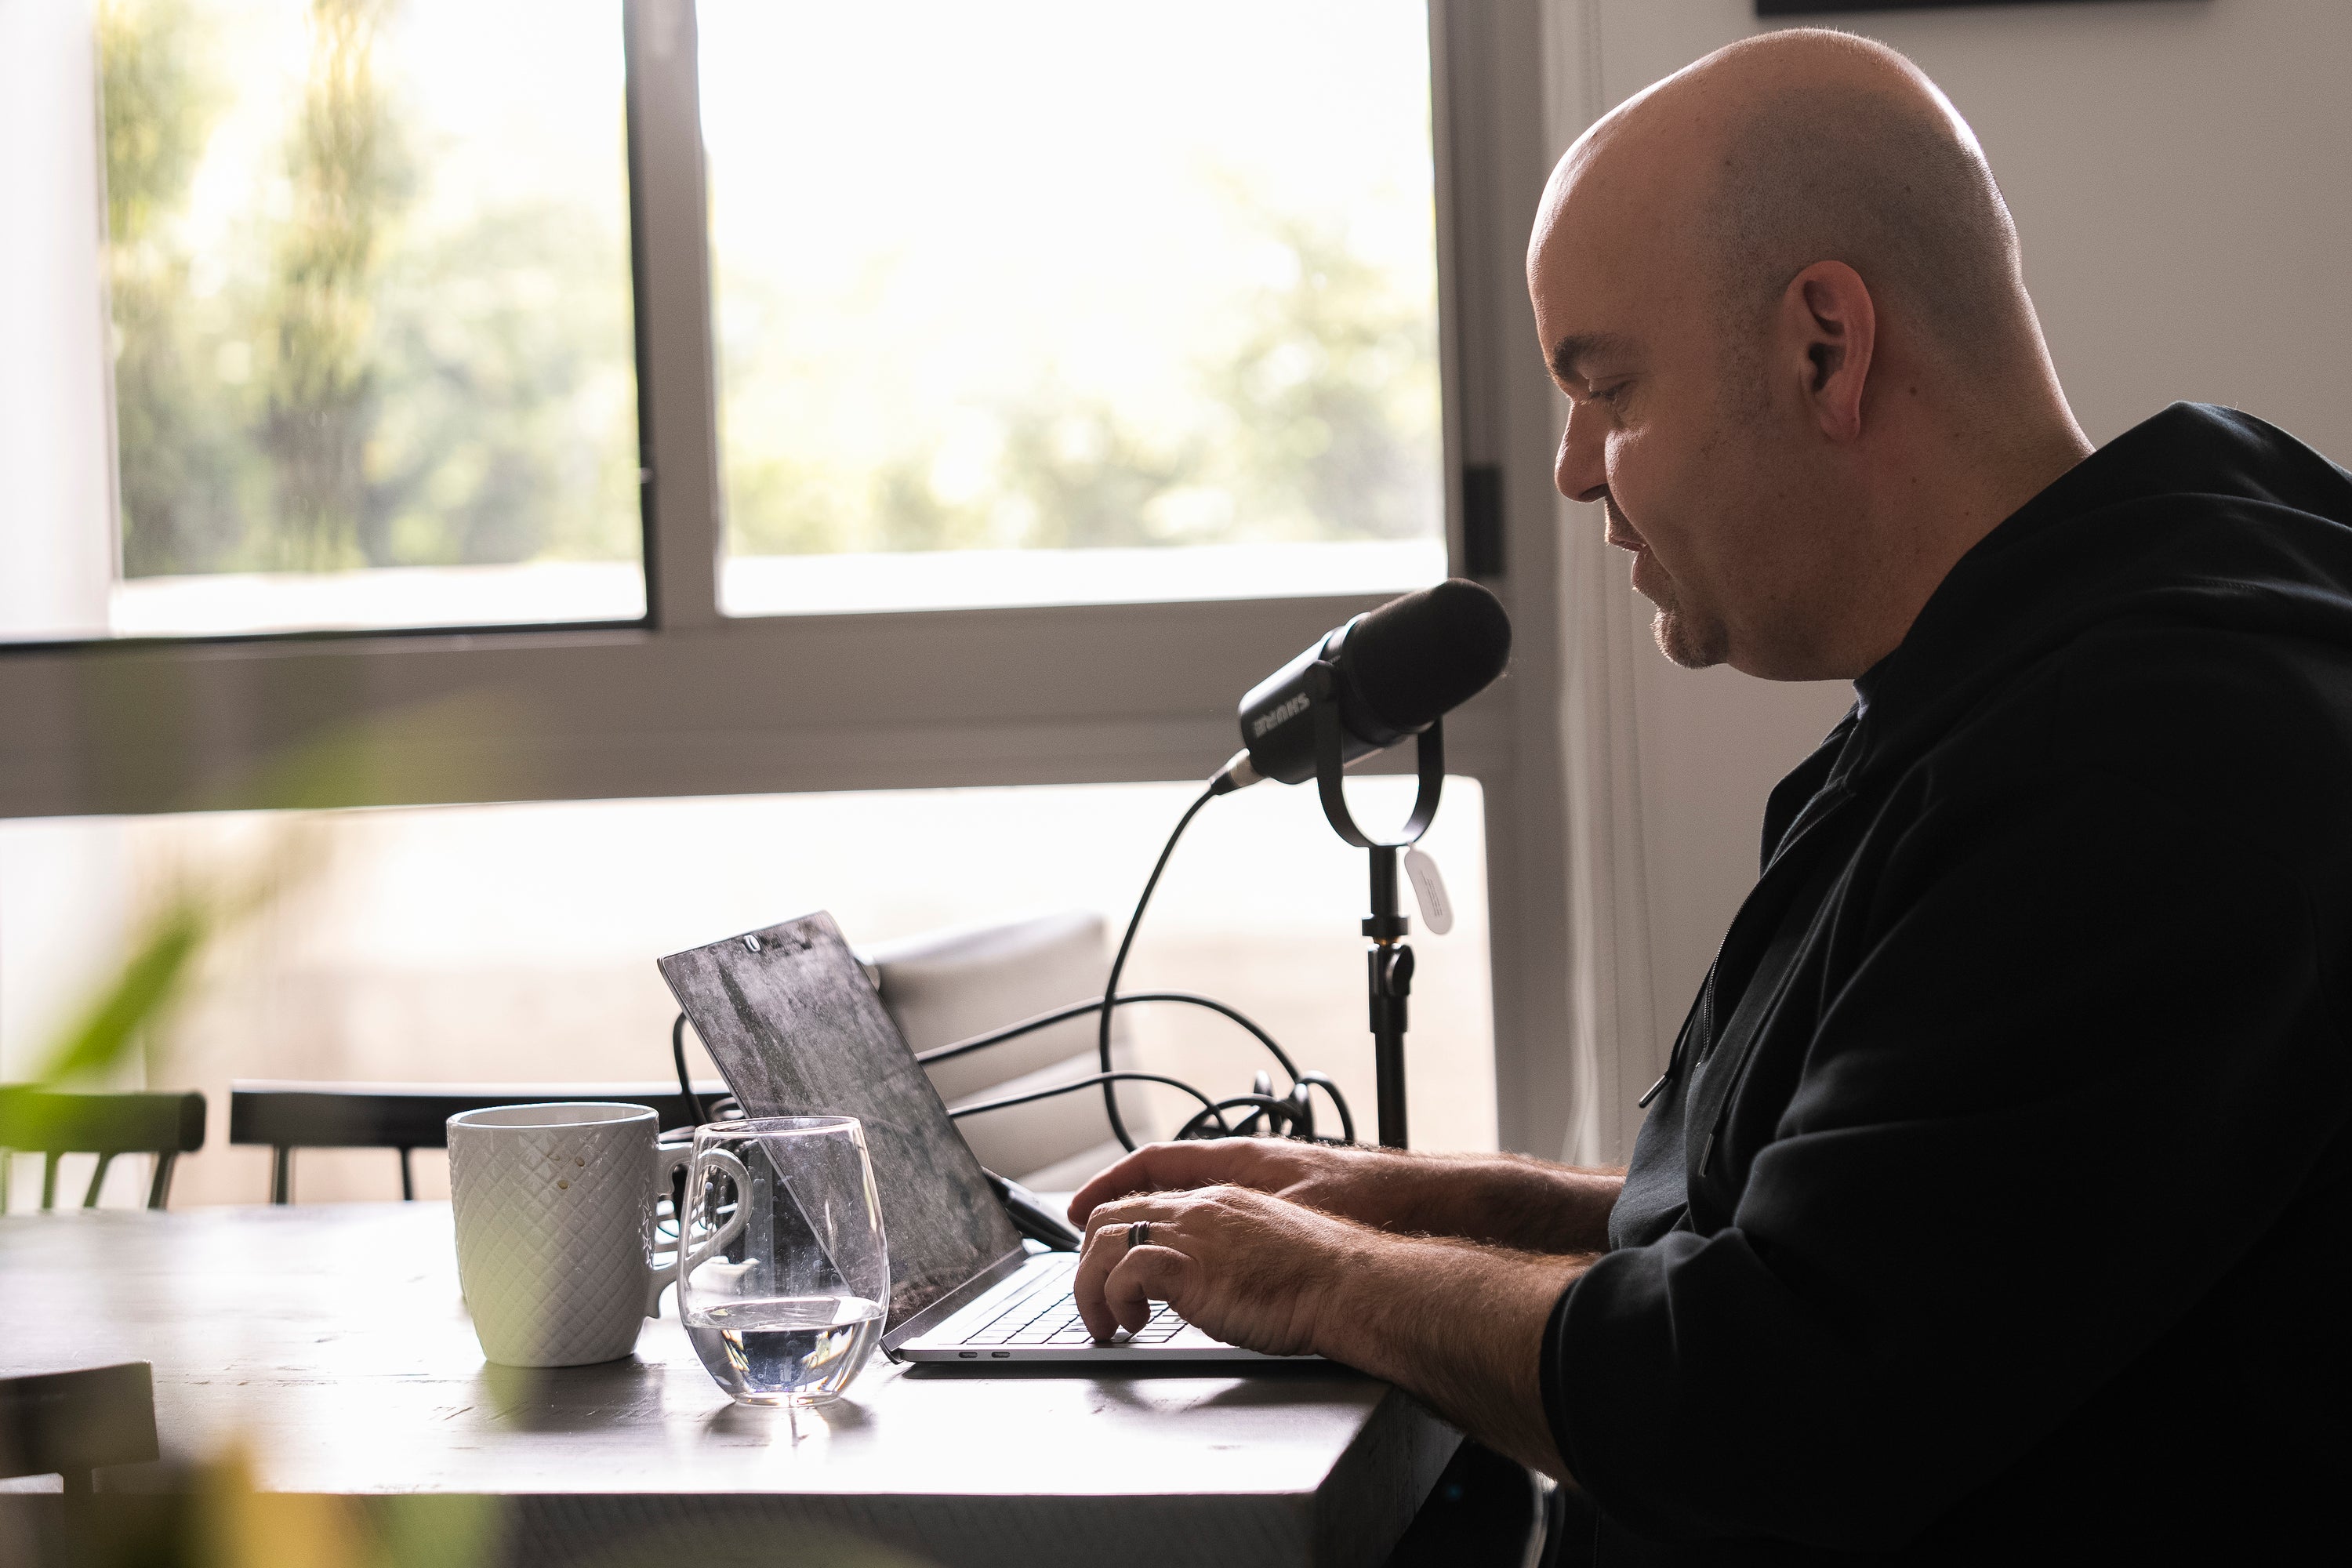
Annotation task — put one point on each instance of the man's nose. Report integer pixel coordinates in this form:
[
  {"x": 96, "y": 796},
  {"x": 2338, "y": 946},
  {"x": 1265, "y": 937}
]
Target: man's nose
[{"x": 1582, "y": 470}]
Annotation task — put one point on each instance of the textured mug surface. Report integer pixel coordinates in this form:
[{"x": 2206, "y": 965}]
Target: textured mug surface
[{"x": 554, "y": 1208}]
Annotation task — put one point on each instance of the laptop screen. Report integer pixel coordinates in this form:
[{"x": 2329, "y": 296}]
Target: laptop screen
[{"x": 797, "y": 1030}]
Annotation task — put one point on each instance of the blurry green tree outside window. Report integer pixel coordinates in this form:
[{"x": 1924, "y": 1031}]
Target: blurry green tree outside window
[
  {"x": 1057, "y": 299},
  {"x": 368, "y": 269},
  {"x": 1074, "y": 275}
]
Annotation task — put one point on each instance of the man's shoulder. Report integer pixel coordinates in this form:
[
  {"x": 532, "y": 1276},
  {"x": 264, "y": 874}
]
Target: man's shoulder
[
  {"x": 2250, "y": 728},
  {"x": 2166, "y": 697}
]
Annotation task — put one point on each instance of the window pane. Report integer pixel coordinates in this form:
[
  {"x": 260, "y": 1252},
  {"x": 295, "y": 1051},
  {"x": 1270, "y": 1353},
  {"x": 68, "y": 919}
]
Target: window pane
[
  {"x": 367, "y": 264},
  {"x": 478, "y": 943},
  {"x": 1072, "y": 300}
]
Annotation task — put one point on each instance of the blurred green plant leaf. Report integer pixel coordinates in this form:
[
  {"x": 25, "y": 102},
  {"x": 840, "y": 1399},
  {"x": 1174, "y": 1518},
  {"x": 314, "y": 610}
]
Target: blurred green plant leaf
[{"x": 109, "y": 1029}]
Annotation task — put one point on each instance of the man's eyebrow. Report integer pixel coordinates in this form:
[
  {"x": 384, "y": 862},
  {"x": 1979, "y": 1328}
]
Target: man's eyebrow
[{"x": 1571, "y": 350}]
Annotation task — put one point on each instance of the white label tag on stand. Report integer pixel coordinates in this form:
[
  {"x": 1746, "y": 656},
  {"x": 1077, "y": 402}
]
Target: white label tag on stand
[{"x": 1429, "y": 891}]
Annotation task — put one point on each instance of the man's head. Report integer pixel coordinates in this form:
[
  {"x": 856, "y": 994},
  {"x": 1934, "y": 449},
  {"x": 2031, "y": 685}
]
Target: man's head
[{"x": 1782, "y": 293}]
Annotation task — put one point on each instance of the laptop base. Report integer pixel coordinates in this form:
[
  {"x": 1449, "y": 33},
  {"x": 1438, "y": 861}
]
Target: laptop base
[{"x": 1029, "y": 1318}]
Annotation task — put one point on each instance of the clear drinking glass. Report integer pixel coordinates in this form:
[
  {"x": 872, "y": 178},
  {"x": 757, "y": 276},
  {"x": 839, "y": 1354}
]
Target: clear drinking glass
[{"x": 788, "y": 1311}]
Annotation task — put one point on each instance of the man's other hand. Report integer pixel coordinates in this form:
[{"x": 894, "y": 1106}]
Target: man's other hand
[{"x": 1370, "y": 1187}]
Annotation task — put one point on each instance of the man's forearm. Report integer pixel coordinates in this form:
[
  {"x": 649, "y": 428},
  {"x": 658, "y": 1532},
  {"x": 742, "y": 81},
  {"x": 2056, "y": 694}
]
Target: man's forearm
[
  {"x": 1459, "y": 1326},
  {"x": 1506, "y": 1199},
  {"x": 1510, "y": 1200}
]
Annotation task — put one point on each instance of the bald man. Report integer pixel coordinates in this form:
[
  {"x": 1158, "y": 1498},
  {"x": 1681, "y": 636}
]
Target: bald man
[{"x": 1998, "y": 1200}]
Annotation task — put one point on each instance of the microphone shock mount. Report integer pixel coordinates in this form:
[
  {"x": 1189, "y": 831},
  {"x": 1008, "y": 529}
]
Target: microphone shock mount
[{"x": 1388, "y": 967}]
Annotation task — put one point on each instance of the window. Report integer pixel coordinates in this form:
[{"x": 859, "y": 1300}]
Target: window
[
  {"x": 1067, "y": 303},
  {"x": 1070, "y": 302},
  {"x": 367, "y": 323}
]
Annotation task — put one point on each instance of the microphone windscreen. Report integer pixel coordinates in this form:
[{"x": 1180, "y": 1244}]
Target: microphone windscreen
[{"x": 1418, "y": 658}]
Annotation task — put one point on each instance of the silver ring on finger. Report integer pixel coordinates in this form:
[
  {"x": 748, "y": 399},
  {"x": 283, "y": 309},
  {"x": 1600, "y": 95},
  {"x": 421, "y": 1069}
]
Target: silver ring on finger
[{"x": 1138, "y": 1234}]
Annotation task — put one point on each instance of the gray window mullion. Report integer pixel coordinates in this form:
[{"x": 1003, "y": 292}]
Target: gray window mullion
[
  {"x": 679, "y": 392},
  {"x": 1502, "y": 420}
]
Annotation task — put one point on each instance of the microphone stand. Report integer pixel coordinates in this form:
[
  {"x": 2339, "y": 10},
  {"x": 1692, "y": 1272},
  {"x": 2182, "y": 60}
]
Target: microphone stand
[{"x": 1388, "y": 967}]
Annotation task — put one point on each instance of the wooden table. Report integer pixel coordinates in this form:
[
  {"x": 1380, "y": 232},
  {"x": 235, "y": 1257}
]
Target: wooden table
[{"x": 329, "y": 1340}]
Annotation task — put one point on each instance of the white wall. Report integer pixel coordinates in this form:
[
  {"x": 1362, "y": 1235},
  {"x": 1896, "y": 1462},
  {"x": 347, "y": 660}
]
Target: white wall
[
  {"x": 57, "y": 458},
  {"x": 2178, "y": 173},
  {"x": 63, "y": 900}
]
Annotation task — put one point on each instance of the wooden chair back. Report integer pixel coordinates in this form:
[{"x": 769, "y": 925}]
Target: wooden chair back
[
  {"x": 52, "y": 1124},
  {"x": 403, "y": 1117},
  {"x": 73, "y": 1423}
]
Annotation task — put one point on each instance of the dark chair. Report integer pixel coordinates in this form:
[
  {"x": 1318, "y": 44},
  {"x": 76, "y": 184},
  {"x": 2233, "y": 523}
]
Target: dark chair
[
  {"x": 1486, "y": 1509},
  {"x": 42, "y": 1121},
  {"x": 73, "y": 1423},
  {"x": 291, "y": 1116}
]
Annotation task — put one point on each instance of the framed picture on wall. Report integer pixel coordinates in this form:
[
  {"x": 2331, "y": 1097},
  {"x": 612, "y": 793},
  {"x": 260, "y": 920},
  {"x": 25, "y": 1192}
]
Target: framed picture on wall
[{"x": 1831, "y": 7}]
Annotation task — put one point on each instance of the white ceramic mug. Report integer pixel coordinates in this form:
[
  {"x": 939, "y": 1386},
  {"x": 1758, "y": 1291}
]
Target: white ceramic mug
[{"x": 554, "y": 1206}]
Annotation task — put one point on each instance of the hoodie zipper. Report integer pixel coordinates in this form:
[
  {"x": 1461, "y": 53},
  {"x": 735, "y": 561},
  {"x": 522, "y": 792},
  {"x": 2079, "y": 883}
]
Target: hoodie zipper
[
  {"x": 1838, "y": 794},
  {"x": 1705, "y": 1020},
  {"x": 1738, "y": 1067}
]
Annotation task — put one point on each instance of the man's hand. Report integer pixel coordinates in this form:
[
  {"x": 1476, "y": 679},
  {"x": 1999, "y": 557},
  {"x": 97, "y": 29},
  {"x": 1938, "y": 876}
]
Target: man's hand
[
  {"x": 1457, "y": 1324},
  {"x": 1509, "y": 1199},
  {"x": 1250, "y": 1269}
]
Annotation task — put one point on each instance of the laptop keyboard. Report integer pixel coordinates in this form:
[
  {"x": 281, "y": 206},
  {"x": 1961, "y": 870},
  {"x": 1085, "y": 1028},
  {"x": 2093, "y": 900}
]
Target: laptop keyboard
[{"x": 1049, "y": 1316}]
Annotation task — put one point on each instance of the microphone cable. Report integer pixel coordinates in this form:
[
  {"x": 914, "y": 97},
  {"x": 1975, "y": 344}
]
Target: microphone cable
[
  {"x": 1077, "y": 1009},
  {"x": 1290, "y": 1115},
  {"x": 1110, "y": 998},
  {"x": 684, "y": 1086},
  {"x": 725, "y": 1108},
  {"x": 1210, "y": 1110},
  {"x": 1283, "y": 1112},
  {"x": 1294, "y": 1110}
]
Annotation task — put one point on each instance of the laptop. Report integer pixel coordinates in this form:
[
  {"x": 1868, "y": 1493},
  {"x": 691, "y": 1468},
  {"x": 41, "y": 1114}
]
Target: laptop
[{"x": 797, "y": 1029}]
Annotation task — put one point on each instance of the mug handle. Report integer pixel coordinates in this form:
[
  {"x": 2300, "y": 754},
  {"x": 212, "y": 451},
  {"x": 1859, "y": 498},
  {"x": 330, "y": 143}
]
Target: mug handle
[{"x": 691, "y": 1254}]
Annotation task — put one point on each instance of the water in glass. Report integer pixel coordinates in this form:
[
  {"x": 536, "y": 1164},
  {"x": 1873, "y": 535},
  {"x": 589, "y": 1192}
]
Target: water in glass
[
  {"x": 772, "y": 1353},
  {"x": 786, "y": 1310}
]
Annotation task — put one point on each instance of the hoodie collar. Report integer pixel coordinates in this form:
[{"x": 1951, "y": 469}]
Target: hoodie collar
[{"x": 2092, "y": 546}]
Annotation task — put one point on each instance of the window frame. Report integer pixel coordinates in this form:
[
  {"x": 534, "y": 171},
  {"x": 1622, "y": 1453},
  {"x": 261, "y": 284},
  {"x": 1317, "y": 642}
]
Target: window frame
[{"x": 692, "y": 702}]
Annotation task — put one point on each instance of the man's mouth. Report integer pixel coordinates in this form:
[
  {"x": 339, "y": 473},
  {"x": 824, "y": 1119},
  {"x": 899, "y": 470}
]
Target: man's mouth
[
  {"x": 1620, "y": 532},
  {"x": 1649, "y": 579}
]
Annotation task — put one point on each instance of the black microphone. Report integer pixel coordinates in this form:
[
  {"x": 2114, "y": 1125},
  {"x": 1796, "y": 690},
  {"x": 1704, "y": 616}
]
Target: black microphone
[{"x": 1395, "y": 672}]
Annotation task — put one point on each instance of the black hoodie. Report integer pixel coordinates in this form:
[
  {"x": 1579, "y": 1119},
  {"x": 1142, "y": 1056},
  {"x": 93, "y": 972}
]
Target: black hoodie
[{"x": 2000, "y": 1201}]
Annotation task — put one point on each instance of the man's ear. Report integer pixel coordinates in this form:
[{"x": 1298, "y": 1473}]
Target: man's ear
[{"x": 1828, "y": 320}]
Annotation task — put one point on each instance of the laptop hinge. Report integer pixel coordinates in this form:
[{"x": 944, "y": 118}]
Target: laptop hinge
[{"x": 955, "y": 1300}]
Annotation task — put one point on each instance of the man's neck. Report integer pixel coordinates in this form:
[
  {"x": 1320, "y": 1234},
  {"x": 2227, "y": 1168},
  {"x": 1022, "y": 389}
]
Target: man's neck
[{"x": 1932, "y": 512}]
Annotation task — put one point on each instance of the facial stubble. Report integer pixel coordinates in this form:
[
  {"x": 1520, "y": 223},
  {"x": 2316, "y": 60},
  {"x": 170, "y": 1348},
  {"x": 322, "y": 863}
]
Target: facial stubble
[{"x": 1675, "y": 632}]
